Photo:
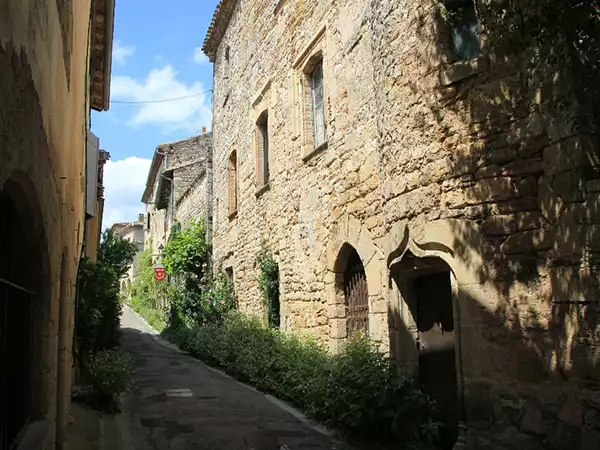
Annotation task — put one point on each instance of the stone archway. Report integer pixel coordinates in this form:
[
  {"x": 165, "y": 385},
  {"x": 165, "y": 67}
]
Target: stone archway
[
  {"x": 427, "y": 265},
  {"x": 25, "y": 306},
  {"x": 351, "y": 242}
]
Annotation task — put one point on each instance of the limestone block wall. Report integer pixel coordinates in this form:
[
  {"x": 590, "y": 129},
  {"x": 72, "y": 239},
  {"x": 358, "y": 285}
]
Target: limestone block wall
[
  {"x": 195, "y": 202},
  {"x": 156, "y": 235},
  {"x": 492, "y": 164},
  {"x": 308, "y": 191},
  {"x": 43, "y": 122},
  {"x": 489, "y": 165}
]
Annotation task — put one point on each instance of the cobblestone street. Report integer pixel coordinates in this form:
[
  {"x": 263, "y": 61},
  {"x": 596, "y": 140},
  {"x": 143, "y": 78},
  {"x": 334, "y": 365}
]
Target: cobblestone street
[{"x": 183, "y": 405}]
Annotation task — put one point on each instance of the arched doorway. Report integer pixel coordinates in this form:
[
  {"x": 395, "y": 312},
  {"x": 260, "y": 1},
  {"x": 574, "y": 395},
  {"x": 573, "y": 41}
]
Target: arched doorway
[
  {"x": 425, "y": 287},
  {"x": 21, "y": 315},
  {"x": 352, "y": 284}
]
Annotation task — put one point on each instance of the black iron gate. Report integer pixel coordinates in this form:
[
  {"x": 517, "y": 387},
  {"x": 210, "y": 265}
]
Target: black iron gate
[
  {"x": 357, "y": 299},
  {"x": 16, "y": 319}
]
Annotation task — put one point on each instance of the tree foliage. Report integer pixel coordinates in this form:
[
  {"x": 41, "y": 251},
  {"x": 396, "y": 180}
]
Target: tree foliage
[
  {"x": 187, "y": 252},
  {"x": 116, "y": 252}
]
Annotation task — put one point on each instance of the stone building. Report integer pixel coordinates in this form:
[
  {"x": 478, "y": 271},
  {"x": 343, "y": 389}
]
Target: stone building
[
  {"x": 55, "y": 60},
  {"x": 132, "y": 232},
  {"x": 178, "y": 188},
  {"x": 94, "y": 205},
  {"x": 429, "y": 173}
]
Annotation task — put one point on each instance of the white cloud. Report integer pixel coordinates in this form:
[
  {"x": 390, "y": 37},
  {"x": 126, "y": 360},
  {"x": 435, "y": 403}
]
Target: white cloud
[
  {"x": 188, "y": 114},
  {"x": 124, "y": 184},
  {"x": 200, "y": 57},
  {"x": 121, "y": 52}
]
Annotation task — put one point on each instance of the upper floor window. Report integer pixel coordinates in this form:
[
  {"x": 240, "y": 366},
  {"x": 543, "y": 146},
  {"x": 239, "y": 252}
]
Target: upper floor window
[
  {"x": 461, "y": 15},
  {"x": 227, "y": 65},
  {"x": 318, "y": 104},
  {"x": 233, "y": 184},
  {"x": 262, "y": 149}
]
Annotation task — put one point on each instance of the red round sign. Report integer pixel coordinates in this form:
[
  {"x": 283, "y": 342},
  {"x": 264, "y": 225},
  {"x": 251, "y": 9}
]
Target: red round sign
[{"x": 159, "y": 273}]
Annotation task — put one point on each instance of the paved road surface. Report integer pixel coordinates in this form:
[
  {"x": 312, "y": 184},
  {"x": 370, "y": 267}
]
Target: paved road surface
[{"x": 183, "y": 405}]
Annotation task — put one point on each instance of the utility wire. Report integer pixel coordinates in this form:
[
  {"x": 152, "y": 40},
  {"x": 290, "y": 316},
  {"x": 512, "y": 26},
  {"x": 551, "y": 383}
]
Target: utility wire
[{"x": 161, "y": 101}]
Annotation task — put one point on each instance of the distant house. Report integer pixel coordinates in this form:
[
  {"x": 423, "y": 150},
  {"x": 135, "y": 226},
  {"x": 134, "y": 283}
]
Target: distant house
[
  {"x": 178, "y": 188},
  {"x": 132, "y": 232}
]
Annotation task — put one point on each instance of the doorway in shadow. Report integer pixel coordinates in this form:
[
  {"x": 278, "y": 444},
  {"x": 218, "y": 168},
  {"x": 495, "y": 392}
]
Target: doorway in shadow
[{"x": 425, "y": 289}]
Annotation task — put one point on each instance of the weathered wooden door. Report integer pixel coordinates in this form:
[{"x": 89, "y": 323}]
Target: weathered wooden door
[
  {"x": 357, "y": 299},
  {"x": 436, "y": 345}
]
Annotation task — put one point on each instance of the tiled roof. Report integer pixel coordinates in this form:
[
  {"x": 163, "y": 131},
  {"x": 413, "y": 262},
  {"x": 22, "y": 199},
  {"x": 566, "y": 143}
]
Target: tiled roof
[
  {"x": 157, "y": 160},
  {"x": 217, "y": 28},
  {"x": 102, "y": 43}
]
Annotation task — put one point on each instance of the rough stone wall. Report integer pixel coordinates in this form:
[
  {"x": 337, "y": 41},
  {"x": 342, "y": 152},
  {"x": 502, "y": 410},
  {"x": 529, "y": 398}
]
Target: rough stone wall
[
  {"x": 306, "y": 195},
  {"x": 195, "y": 202},
  {"x": 482, "y": 164},
  {"x": 43, "y": 123},
  {"x": 496, "y": 145},
  {"x": 156, "y": 235}
]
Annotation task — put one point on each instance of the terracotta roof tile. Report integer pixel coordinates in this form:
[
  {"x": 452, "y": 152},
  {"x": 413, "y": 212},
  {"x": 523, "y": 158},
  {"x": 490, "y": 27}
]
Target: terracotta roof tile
[{"x": 217, "y": 28}]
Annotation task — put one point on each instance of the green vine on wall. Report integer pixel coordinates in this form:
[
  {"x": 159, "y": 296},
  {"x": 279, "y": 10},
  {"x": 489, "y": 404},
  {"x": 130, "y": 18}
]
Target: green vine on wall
[{"x": 268, "y": 282}]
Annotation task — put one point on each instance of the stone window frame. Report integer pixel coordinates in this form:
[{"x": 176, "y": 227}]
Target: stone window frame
[
  {"x": 261, "y": 150},
  {"x": 262, "y": 103},
  {"x": 464, "y": 6},
  {"x": 303, "y": 120},
  {"x": 232, "y": 184},
  {"x": 457, "y": 69}
]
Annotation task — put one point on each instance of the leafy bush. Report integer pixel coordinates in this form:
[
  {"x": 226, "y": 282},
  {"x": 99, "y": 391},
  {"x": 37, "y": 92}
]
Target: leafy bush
[
  {"x": 354, "y": 391},
  {"x": 99, "y": 308},
  {"x": 187, "y": 252},
  {"x": 116, "y": 252},
  {"x": 108, "y": 378},
  {"x": 149, "y": 297},
  {"x": 268, "y": 282}
]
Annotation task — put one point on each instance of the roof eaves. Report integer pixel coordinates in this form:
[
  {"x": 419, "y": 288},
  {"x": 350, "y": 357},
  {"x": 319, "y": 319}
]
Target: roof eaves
[
  {"x": 217, "y": 28},
  {"x": 157, "y": 160}
]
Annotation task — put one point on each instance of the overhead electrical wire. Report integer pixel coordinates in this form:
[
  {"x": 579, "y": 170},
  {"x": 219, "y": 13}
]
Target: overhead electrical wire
[{"x": 160, "y": 101}]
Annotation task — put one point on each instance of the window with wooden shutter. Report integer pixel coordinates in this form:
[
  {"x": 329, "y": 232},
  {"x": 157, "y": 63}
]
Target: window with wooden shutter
[
  {"x": 233, "y": 184},
  {"x": 262, "y": 150},
  {"x": 318, "y": 105}
]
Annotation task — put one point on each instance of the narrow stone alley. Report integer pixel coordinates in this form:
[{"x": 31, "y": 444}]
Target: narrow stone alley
[{"x": 183, "y": 405}]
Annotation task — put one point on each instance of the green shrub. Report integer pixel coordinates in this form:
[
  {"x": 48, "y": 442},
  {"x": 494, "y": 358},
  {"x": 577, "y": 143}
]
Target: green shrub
[
  {"x": 108, "y": 378},
  {"x": 268, "y": 281},
  {"x": 354, "y": 391},
  {"x": 99, "y": 308}
]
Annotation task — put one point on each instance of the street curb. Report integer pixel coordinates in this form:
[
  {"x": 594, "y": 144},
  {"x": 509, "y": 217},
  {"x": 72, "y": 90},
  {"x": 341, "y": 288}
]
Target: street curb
[{"x": 296, "y": 413}]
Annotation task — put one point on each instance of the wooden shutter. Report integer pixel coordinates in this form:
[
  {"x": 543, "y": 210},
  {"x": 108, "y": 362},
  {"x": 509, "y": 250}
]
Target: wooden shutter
[{"x": 93, "y": 144}]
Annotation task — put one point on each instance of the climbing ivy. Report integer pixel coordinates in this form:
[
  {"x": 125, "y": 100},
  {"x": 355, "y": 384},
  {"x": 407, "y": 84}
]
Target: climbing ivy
[
  {"x": 268, "y": 281},
  {"x": 187, "y": 253}
]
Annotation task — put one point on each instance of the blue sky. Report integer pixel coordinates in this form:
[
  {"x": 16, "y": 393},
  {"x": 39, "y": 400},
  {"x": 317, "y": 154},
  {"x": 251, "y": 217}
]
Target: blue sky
[{"x": 156, "y": 56}]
